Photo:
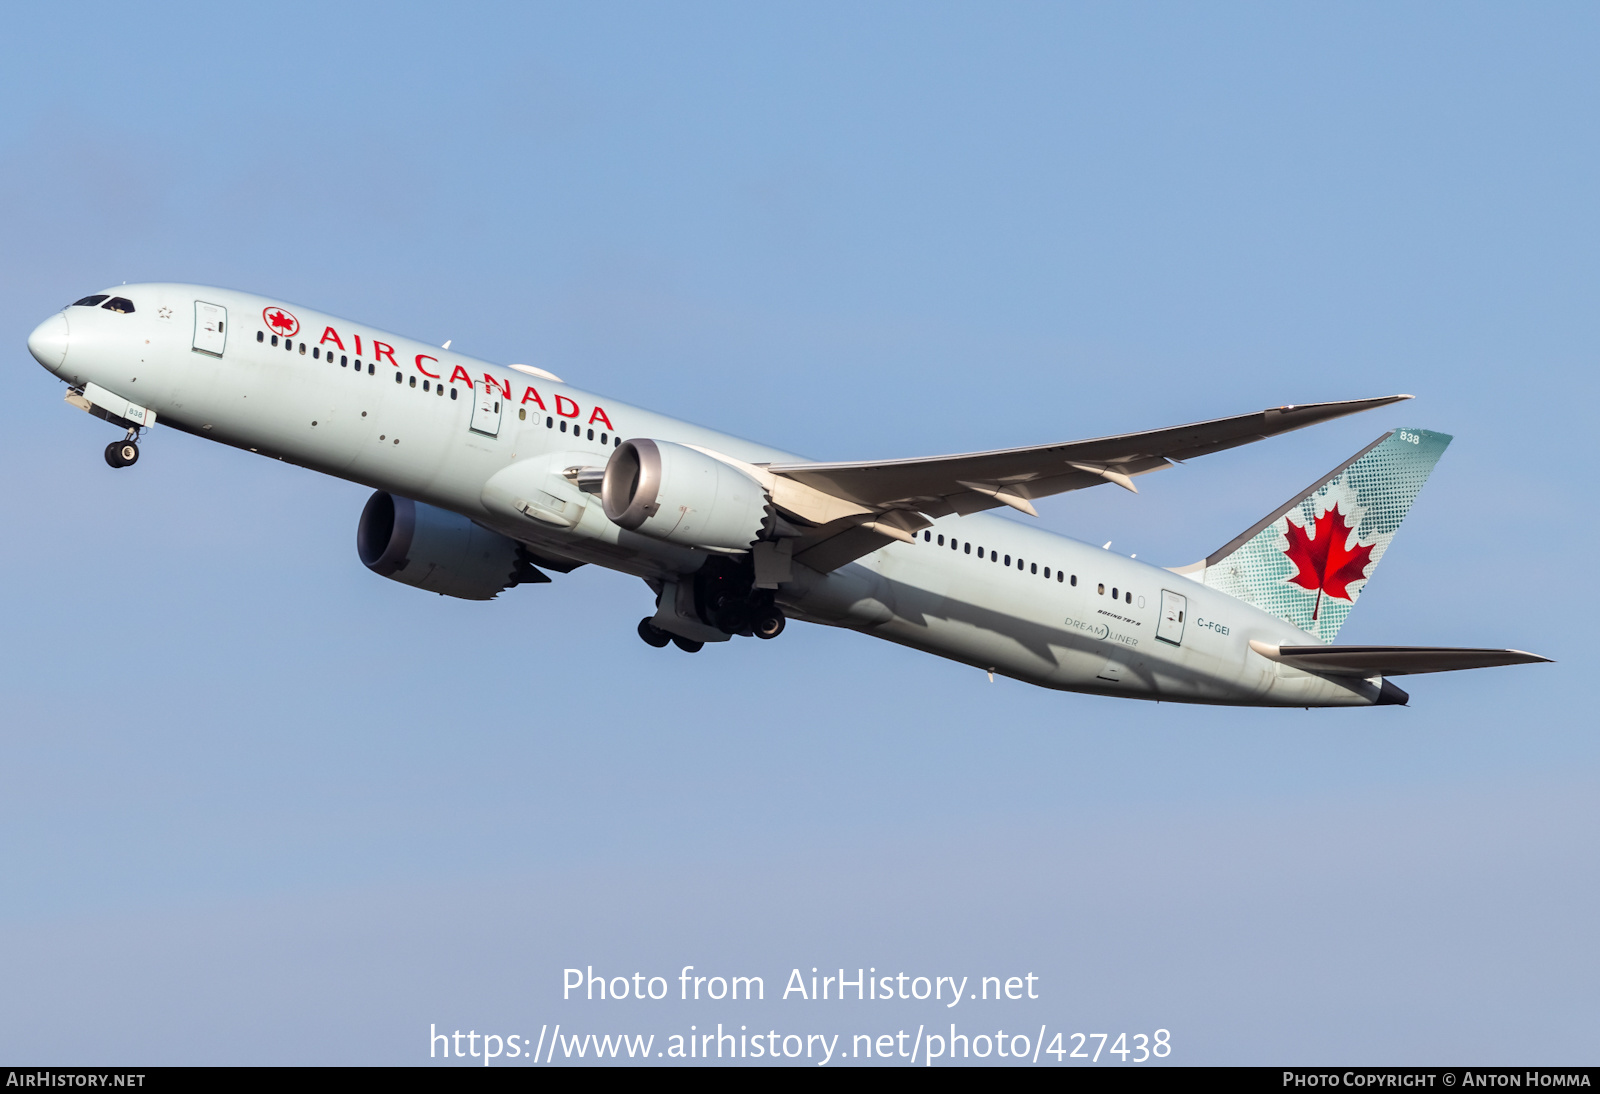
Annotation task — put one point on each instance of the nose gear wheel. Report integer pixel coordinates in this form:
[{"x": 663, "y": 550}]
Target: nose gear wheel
[{"x": 122, "y": 453}]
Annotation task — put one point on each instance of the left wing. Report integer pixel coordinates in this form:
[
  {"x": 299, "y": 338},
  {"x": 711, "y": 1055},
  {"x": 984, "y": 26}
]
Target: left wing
[{"x": 856, "y": 508}]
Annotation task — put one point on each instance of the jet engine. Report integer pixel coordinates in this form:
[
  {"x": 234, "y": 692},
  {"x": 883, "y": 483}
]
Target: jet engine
[
  {"x": 440, "y": 551},
  {"x": 679, "y": 494}
]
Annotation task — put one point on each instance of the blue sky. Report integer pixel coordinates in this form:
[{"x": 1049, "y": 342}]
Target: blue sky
[{"x": 263, "y": 806}]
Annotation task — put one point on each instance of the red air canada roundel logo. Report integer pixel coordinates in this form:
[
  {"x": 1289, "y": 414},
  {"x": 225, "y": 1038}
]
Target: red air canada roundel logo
[{"x": 281, "y": 322}]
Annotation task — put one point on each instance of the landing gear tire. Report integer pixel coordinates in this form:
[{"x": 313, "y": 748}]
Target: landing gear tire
[
  {"x": 653, "y": 635},
  {"x": 732, "y": 617},
  {"x": 687, "y": 645},
  {"x": 769, "y": 624},
  {"x": 122, "y": 453}
]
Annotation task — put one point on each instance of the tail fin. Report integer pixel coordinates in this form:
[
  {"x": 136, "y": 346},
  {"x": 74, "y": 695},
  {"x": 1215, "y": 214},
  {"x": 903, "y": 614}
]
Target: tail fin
[{"x": 1310, "y": 559}]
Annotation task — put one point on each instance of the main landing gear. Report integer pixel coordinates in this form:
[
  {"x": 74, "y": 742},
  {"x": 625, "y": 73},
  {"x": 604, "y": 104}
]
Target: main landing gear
[
  {"x": 660, "y": 639},
  {"x": 124, "y": 453},
  {"x": 726, "y": 598},
  {"x": 768, "y": 624}
]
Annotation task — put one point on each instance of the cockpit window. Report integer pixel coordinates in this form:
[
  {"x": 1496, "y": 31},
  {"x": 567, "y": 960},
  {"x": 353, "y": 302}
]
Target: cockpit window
[
  {"x": 89, "y": 301},
  {"x": 119, "y": 303}
]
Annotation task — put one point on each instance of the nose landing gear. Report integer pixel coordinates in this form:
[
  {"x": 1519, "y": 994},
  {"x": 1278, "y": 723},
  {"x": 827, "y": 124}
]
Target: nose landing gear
[{"x": 124, "y": 453}]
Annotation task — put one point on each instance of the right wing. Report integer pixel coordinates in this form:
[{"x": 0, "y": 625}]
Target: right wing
[{"x": 866, "y": 505}]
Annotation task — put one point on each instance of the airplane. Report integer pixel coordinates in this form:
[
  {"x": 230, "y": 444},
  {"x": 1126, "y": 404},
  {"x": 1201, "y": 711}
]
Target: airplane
[{"x": 487, "y": 477}]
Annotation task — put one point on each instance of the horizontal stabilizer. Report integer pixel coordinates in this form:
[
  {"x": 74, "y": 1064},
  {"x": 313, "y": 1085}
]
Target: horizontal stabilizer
[{"x": 1389, "y": 660}]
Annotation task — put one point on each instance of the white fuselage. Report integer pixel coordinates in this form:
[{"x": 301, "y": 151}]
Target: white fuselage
[{"x": 308, "y": 404}]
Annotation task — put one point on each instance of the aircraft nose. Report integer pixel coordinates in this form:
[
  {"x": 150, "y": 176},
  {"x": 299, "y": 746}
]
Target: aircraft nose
[{"x": 48, "y": 342}]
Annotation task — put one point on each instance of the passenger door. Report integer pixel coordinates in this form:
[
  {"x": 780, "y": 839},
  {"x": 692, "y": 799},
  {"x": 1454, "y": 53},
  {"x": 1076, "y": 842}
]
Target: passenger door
[
  {"x": 486, "y": 409},
  {"x": 210, "y": 328},
  {"x": 1169, "y": 628}
]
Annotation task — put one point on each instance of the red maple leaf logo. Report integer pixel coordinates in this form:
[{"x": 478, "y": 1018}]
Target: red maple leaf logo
[
  {"x": 280, "y": 320},
  {"x": 1323, "y": 562}
]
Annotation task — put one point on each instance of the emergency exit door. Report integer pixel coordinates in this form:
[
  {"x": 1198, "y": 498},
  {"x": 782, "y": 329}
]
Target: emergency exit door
[
  {"x": 1169, "y": 628},
  {"x": 210, "y": 328},
  {"x": 486, "y": 409}
]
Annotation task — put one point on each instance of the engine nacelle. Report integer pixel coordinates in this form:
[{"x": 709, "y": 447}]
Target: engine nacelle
[
  {"x": 675, "y": 493},
  {"x": 437, "y": 550}
]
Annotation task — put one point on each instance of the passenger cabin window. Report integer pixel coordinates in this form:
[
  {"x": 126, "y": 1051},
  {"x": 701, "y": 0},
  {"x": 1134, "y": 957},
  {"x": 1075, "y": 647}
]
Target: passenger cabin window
[
  {"x": 1074, "y": 579},
  {"x": 261, "y": 336},
  {"x": 119, "y": 304},
  {"x": 89, "y": 301},
  {"x": 1102, "y": 590}
]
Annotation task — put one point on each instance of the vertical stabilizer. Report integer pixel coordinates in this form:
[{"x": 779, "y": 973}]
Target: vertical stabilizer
[{"x": 1309, "y": 561}]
